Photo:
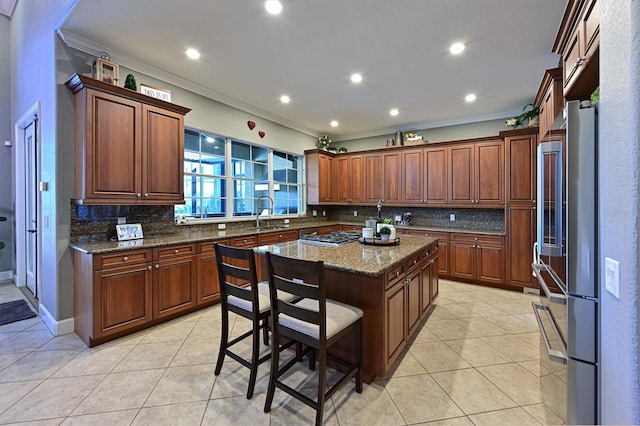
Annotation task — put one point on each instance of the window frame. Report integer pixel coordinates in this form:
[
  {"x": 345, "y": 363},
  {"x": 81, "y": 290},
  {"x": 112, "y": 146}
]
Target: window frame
[{"x": 229, "y": 178}]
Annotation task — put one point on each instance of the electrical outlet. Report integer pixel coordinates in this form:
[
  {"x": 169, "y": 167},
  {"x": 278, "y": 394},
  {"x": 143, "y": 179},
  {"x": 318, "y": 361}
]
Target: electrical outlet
[
  {"x": 314, "y": 213},
  {"x": 355, "y": 213},
  {"x": 452, "y": 217},
  {"x": 286, "y": 221},
  {"x": 122, "y": 220},
  {"x": 222, "y": 226},
  {"x": 324, "y": 213},
  {"x": 612, "y": 276}
]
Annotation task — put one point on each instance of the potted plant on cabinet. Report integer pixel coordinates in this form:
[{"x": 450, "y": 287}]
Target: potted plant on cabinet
[
  {"x": 528, "y": 118},
  {"x": 385, "y": 232}
]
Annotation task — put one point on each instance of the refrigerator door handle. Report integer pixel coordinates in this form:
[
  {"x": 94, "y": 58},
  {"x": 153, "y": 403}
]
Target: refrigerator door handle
[
  {"x": 554, "y": 355},
  {"x": 560, "y": 298}
]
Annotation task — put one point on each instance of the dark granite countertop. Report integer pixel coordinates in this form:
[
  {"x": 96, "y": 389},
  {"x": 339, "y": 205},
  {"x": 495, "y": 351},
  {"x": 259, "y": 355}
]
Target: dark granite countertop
[
  {"x": 185, "y": 235},
  {"x": 354, "y": 257}
]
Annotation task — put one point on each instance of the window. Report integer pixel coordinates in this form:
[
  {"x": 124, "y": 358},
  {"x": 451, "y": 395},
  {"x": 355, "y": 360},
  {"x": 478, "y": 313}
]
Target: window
[{"x": 259, "y": 180}]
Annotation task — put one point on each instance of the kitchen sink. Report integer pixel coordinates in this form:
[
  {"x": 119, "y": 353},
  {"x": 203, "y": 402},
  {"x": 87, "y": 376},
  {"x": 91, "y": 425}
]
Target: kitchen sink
[{"x": 271, "y": 228}]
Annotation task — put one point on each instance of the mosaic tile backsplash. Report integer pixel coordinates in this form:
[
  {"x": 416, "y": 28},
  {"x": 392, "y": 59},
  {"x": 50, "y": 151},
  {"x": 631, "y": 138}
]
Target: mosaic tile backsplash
[{"x": 98, "y": 223}]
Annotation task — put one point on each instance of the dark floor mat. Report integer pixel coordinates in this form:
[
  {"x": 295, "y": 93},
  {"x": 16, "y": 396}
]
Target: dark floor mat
[{"x": 16, "y": 310}]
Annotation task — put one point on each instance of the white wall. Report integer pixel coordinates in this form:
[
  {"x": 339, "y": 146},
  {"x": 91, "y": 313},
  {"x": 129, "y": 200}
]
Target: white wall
[
  {"x": 440, "y": 134},
  {"x": 619, "y": 156},
  {"x": 33, "y": 66},
  {"x": 6, "y": 182}
]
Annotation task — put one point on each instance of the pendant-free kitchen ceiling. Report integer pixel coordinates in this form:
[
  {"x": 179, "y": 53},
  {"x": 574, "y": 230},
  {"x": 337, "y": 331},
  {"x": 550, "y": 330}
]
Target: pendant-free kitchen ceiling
[{"x": 249, "y": 58}]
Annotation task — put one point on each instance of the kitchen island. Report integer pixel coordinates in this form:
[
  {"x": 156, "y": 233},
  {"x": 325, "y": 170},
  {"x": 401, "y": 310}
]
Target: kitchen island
[
  {"x": 123, "y": 287},
  {"x": 395, "y": 286}
]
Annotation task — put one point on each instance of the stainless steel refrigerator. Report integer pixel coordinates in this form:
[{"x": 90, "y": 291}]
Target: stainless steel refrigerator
[{"x": 568, "y": 311}]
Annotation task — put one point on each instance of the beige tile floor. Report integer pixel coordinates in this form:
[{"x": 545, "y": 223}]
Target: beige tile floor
[{"x": 474, "y": 361}]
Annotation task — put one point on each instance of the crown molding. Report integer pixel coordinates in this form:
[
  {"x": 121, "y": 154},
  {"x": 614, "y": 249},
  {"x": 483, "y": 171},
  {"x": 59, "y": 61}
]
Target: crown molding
[{"x": 74, "y": 41}]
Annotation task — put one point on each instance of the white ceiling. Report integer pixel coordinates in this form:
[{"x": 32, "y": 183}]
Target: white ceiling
[{"x": 250, "y": 58}]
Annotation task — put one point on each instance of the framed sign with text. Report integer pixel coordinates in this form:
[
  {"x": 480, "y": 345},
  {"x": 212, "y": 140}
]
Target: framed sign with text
[{"x": 154, "y": 92}]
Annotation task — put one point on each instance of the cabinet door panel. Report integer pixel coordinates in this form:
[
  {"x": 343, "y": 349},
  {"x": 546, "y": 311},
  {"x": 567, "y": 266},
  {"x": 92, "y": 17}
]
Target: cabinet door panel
[
  {"x": 356, "y": 178},
  {"x": 392, "y": 172},
  {"x": 489, "y": 178},
  {"x": 174, "y": 287},
  {"x": 490, "y": 263},
  {"x": 163, "y": 167},
  {"x": 425, "y": 282},
  {"x": 461, "y": 175},
  {"x": 443, "y": 258},
  {"x": 396, "y": 317},
  {"x": 113, "y": 147},
  {"x": 208, "y": 283},
  {"x": 414, "y": 301},
  {"x": 462, "y": 261},
  {"x": 521, "y": 166},
  {"x": 124, "y": 299},
  {"x": 521, "y": 223},
  {"x": 435, "y": 183},
  {"x": 413, "y": 177},
  {"x": 435, "y": 279},
  {"x": 341, "y": 181},
  {"x": 374, "y": 178},
  {"x": 325, "y": 166}
]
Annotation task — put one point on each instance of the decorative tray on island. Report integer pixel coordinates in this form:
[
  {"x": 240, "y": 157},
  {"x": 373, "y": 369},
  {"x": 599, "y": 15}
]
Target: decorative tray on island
[{"x": 376, "y": 241}]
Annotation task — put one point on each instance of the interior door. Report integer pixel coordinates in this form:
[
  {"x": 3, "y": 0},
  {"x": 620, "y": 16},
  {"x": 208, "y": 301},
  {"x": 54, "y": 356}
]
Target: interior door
[{"x": 31, "y": 207}]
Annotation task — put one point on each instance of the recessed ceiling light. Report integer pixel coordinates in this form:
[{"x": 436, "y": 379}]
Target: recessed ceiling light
[
  {"x": 274, "y": 7},
  {"x": 334, "y": 123},
  {"x": 470, "y": 97},
  {"x": 394, "y": 112},
  {"x": 456, "y": 48},
  {"x": 193, "y": 54},
  {"x": 356, "y": 78},
  {"x": 285, "y": 99}
]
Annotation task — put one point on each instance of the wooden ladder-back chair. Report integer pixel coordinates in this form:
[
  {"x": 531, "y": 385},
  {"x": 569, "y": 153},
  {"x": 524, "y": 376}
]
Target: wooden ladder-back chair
[
  {"x": 242, "y": 294},
  {"x": 314, "y": 321}
]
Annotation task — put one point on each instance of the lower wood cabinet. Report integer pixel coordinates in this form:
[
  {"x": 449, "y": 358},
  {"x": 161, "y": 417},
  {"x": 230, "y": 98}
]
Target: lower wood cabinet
[
  {"x": 174, "y": 280},
  {"x": 411, "y": 289},
  {"x": 208, "y": 288},
  {"x": 478, "y": 258},
  {"x": 443, "y": 248}
]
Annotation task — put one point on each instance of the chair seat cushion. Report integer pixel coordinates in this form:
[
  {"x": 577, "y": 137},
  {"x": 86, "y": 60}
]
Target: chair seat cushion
[
  {"x": 264, "y": 301},
  {"x": 339, "y": 317}
]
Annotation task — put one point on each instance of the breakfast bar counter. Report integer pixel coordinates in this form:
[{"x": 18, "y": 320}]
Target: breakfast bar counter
[{"x": 395, "y": 286}]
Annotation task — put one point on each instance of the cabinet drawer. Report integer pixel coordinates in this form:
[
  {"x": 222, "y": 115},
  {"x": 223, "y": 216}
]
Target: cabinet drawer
[
  {"x": 352, "y": 228},
  {"x": 174, "y": 251},
  {"x": 413, "y": 262},
  {"x": 478, "y": 239},
  {"x": 277, "y": 237},
  {"x": 395, "y": 275},
  {"x": 207, "y": 247},
  {"x": 328, "y": 229},
  {"x": 248, "y": 241},
  {"x": 121, "y": 259}
]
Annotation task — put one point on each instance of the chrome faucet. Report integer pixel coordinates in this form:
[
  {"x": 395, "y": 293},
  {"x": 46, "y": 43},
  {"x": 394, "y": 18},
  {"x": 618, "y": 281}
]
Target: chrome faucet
[{"x": 262, "y": 197}]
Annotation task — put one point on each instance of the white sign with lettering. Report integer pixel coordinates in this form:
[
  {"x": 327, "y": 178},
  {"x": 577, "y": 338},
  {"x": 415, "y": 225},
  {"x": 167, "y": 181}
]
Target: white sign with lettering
[{"x": 162, "y": 94}]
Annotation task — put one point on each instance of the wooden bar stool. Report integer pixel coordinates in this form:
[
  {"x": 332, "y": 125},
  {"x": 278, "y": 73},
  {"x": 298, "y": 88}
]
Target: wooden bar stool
[
  {"x": 242, "y": 294},
  {"x": 313, "y": 321}
]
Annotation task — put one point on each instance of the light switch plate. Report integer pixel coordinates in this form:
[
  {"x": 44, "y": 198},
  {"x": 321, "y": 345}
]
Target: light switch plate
[
  {"x": 355, "y": 213},
  {"x": 612, "y": 276},
  {"x": 122, "y": 220},
  {"x": 452, "y": 217},
  {"x": 222, "y": 226},
  {"x": 286, "y": 221},
  {"x": 314, "y": 213}
]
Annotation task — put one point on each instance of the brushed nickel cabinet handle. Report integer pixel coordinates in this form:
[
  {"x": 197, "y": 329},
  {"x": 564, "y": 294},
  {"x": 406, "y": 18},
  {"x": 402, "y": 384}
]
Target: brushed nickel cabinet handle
[
  {"x": 157, "y": 265},
  {"x": 149, "y": 267},
  {"x": 176, "y": 251}
]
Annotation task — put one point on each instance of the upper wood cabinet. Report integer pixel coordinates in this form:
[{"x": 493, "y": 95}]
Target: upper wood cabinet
[
  {"x": 550, "y": 100},
  {"x": 520, "y": 166},
  {"x": 373, "y": 178},
  {"x": 425, "y": 176},
  {"x": 392, "y": 175},
  {"x": 319, "y": 177},
  {"x": 578, "y": 42},
  {"x": 476, "y": 174},
  {"x": 129, "y": 146},
  {"x": 349, "y": 178}
]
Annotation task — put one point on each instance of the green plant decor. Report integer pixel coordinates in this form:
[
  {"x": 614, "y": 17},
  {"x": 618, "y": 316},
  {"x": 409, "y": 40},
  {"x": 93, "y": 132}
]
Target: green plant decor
[
  {"x": 323, "y": 142},
  {"x": 388, "y": 220},
  {"x": 385, "y": 230},
  {"x": 522, "y": 119},
  {"x": 595, "y": 96},
  {"x": 2, "y": 219},
  {"x": 130, "y": 82}
]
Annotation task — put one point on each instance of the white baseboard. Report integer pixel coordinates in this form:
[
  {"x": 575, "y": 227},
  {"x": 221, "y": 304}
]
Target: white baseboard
[
  {"x": 57, "y": 328},
  {"x": 6, "y": 275}
]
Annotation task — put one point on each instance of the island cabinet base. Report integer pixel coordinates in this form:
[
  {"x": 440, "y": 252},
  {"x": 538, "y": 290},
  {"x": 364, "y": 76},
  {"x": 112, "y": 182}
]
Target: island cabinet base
[{"x": 394, "y": 306}]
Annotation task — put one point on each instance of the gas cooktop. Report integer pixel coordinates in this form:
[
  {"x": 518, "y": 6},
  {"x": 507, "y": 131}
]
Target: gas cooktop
[{"x": 334, "y": 239}]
